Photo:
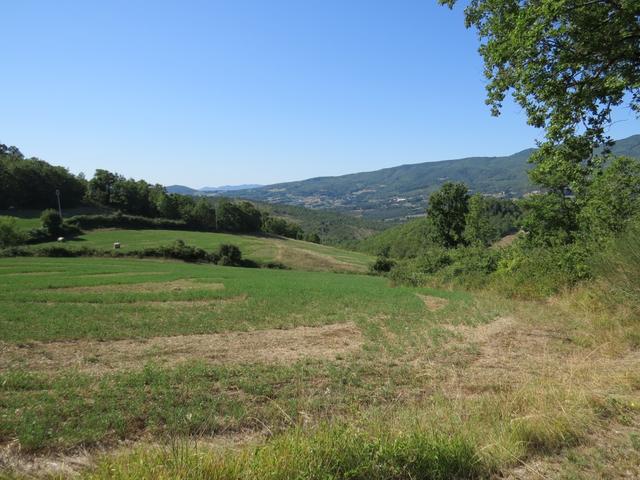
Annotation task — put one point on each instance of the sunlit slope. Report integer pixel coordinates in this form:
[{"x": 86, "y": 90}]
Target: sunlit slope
[{"x": 294, "y": 254}]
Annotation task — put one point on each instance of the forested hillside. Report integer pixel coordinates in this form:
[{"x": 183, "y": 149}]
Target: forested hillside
[
  {"x": 399, "y": 192},
  {"x": 114, "y": 201}
]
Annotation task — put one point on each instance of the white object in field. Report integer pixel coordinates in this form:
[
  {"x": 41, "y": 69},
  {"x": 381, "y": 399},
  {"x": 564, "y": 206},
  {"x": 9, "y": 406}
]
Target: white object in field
[
  {"x": 61, "y": 239},
  {"x": 116, "y": 245}
]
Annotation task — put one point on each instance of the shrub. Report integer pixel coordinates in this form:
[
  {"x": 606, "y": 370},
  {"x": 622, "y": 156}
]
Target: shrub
[
  {"x": 612, "y": 200},
  {"x": 51, "y": 251},
  {"x": 118, "y": 220},
  {"x": 10, "y": 233},
  {"x": 382, "y": 265},
  {"x": 535, "y": 272},
  {"x": 275, "y": 266},
  {"x": 417, "y": 271},
  {"x": 311, "y": 237},
  {"x": 177, "y": 250},
  {"x": 469, "y": 266},
  {"x": 37, "y": 235},
  {"x": 229, "y": 255},
  {"x": 51, "y": 222},
  {"x": 466, "y": 266},
  {"x": 280, "y": 226},
  {"x": 618, "y": 266}
]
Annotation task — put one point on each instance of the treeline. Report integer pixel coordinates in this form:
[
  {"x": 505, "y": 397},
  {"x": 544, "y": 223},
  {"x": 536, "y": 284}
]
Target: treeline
[
  {"x": 30, "y": 183},
  {"x": 482, "y": 221},
  {"x": 559, "y": 233}
]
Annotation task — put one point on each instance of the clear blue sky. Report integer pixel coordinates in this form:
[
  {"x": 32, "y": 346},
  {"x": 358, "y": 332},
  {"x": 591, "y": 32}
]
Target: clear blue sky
[{"x": 212, "y": 92}]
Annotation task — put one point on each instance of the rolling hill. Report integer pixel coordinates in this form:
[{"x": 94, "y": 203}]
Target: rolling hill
[{"x": 294, "y": 254}]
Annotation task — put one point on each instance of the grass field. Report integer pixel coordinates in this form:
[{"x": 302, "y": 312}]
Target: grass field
[
  {"x": 28, "y": 219},
  {"x": 293, "y": 253},
  {"x": 114, "y": 368}
]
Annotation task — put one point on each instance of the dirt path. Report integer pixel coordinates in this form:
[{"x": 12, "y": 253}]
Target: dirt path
[{"x": 261, "y": 346}]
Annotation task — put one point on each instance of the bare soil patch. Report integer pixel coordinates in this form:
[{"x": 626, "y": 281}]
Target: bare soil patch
[
  {"x": 263, "y": 346},
  {"x": 42, "y": 466},
  {"x": 506, "y": 240},
  {"x": 433, "y": 303},
  {"x": 147, "y": 287}
]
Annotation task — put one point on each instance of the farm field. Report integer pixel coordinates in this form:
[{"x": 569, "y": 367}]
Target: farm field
[
  {"x": 292, "y": 253},
  {"x": 122, "y": 368}
]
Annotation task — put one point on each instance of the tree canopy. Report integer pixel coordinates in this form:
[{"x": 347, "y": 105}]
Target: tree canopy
[
  {"x": 567, "y": 63},
  {"x": 447, "y": 210},
  {"x": 32, "y": 183}
]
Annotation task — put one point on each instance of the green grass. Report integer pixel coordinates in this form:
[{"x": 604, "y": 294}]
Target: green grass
[
  {"x": 293, "y": 253},
  {"x": 330, "y": 452},
  {"x": 29, "y": 219},
  {"x": 419, "y": 398},
  {"x": 37, "y": 303}
]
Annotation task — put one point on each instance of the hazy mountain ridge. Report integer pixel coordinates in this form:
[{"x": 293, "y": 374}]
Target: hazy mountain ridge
[
  {"x": 400, "y": 192},
  {"x": 184, "y": 190}
]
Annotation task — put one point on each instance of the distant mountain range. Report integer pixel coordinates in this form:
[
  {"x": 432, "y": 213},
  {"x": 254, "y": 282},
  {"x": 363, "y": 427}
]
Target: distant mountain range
[
  {"x": 400, "y": 192},
  {"x": 224, "y": 188}
]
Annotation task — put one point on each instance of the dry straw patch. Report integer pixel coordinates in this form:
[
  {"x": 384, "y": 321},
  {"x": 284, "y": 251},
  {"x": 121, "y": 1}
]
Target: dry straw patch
[
  {"x": 147, "y": 287},
  {"x": 262, "y": 346},
  {"x": 509, "y": 353},
  {"x": 308, "y": 259},
  {"x": 119, "y": 274},
  {"x": 433, "y": 303},
  {"x": 30, "y": 274}
]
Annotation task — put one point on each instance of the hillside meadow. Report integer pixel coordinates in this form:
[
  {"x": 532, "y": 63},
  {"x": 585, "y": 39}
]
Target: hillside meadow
[
  {"x": 126, "y": 368},
  {"x": 292, "y": 253}
]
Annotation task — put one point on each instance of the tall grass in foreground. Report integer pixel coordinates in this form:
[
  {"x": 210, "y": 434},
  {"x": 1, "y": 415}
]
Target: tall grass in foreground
[
  {"x": 441, "y": 439},
  {"x": 611, "y": 302},
  {"x": 619, "y": 270},
  {"x": 329, "y": 452}
]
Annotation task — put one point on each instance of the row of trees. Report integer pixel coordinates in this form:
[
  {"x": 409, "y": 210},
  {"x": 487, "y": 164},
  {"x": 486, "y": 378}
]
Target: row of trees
[
  {"x": 32, "y": 183},
  {"x": 137, "y": 197},
  {"x": 604, "y": 208}
]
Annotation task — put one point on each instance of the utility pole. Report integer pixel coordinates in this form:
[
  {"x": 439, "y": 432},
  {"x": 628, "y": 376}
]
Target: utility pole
[{"x": 59, "y": 205}]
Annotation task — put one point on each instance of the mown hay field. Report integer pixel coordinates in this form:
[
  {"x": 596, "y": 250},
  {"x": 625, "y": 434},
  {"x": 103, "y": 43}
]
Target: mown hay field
[
  {"x": 123, "y": 368},
  {"x": 294, "y": 254}
]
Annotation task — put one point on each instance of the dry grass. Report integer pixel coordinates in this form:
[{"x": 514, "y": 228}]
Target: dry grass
[
  {"x": 264, "y": 346},
  {"x": 147, "y": 287},
  {"x": 118, "y": 274},
  {"x": 544, "y": 390},
  {"x": 433, "y": 303},
  {"x": 310, "y": 260}
]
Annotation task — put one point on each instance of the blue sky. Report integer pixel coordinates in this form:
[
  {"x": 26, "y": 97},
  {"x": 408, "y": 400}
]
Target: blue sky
[{"x": 226, "y": 92}]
